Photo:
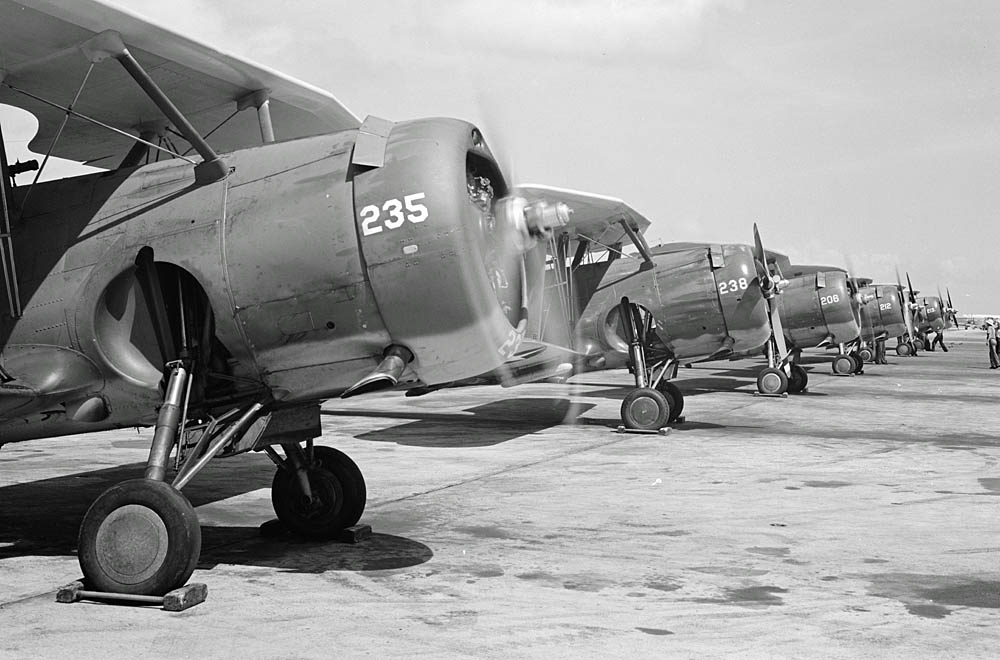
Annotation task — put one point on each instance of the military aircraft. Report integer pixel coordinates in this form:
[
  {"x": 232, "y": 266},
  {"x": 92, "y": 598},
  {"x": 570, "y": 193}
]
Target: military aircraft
[
  {"x": 882, "y": 315},
  {"x": 302, "y": 255},
  {"x": 931, "y": 316},
  {"x": 651, "y": 309},
  {"x": 820, "y": 309}
]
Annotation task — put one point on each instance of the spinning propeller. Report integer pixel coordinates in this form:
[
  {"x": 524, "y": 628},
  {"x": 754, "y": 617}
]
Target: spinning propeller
[
  {"x": 950, "y": 313},
  {"x": 909, "y": 307},
  {"x": 770, "y": 286}
]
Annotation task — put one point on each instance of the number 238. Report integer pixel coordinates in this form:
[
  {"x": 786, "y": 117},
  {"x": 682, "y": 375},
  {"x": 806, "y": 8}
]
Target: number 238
[
  {"x": 733, "y": 286},
  {"x": 373, "y": 222}
]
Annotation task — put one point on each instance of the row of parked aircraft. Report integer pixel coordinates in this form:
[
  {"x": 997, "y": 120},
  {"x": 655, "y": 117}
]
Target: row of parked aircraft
[{"x": 305, "y": 255}]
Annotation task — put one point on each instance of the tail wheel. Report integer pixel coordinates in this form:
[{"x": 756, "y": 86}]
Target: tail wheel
[
  {"x": 645, "y": 409},
  {"x": 139, "y": 537},
  {"x": 771, "y": 380},
  {"x": 798, "y": 379},
  {"x": 675, "y": 399}
]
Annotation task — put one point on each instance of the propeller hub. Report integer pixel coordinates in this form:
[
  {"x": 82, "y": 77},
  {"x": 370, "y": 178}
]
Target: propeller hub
[{"x": 531, "y": 221}]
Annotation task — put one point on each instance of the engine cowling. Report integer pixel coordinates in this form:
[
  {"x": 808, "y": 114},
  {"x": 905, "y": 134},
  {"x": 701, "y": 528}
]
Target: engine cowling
[{"x": 447, "y": 278}]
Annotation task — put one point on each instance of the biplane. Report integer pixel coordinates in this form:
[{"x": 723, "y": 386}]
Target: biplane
[{"x": 248, "y": 249}]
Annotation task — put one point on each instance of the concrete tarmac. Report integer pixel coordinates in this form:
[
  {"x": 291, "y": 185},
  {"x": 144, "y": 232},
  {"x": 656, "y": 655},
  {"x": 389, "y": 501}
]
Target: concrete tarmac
[{"x": 859, "y": 519}]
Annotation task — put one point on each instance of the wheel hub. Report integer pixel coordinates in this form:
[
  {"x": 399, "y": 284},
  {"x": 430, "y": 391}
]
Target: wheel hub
[
  {"x": 771, "y": 383},
  {"x": 131, "y": 543},
  {"x": 644, "y": 410}
]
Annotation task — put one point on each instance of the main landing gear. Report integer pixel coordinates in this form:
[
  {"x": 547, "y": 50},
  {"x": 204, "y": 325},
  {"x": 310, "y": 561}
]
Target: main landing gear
[
  {"x": 656, "y": 401},
  {"x": 317, "y": 492},
  {"x": 143, "y": 537},
  {"x": 847, "y": 363}
]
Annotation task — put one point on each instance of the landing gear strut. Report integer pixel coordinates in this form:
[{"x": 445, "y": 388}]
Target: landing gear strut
[
  {"x": 142, "y": 536},
  {"x": 655, "y": 402}
]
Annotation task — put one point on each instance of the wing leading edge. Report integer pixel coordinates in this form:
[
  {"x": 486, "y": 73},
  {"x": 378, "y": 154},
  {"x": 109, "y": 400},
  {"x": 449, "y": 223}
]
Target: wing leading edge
[{"x": 40, "y": 53}]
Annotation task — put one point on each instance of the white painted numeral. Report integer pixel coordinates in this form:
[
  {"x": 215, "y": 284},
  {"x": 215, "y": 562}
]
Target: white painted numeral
[
  {"x": 372, "y": 220},
  {"x": 829, "y": 300},
  {"x": 369, "y": 216},
  {"x": 394, "y": 208},
  {"x": 732, "y": 286},
  {"x": 418, "y": 211}
]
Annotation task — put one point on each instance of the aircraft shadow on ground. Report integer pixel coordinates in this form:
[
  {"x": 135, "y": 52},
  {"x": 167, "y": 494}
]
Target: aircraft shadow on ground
[
  {"x": 43, "y": 517},
  {"x": 245, "y": 546},
  {"x": 489, "y": 424}
]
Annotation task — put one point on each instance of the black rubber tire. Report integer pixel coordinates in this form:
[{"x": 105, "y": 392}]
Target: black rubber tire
[
  {"x": 139, "y": 537},
  {"x": 351, "y": 479},
  {"x": 859, "y": 365},
  {"x": 338, "y": 491},
  {"x": 903, "y": 350},
  {"x": 645, "y": 409},
  {"x": 772, "y": 380},
  {"x": 918, "y": 344},
  {"x": 675, "y": 399},
  {"x": 798, "y": 380},
  {"x": 843, "y": 364},
  {"x": 866, "y": 354}
]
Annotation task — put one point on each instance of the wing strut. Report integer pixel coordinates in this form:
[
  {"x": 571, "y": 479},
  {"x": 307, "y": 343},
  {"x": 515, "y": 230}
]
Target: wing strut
[
  {"x": 639, "y": 241},
  {"x": 6, "y": 242},
  {"x": 110, "y": 44},
  {"x": 262, "y": 101}
]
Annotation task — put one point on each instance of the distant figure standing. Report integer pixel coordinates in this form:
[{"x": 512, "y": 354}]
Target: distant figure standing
[
  {"x": 880, "y": 352},
  {"x": 991, "y": 339},
  {"x": 939, "y": 339}
]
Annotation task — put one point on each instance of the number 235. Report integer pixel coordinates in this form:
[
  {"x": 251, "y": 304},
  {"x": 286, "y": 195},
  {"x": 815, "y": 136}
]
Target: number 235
[{"x": 373, "y": 222}]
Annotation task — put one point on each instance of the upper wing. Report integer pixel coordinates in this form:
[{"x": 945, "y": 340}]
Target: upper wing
[
  {"x": 595, "y": 217},
  {"x": 40, "y": 54}
]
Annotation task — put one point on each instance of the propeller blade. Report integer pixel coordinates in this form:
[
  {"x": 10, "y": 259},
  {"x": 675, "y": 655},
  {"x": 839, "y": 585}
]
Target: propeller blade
[
  {"x": 913, "y": 296},
  {"x": 777, "y": 330},
  {"x": 760, "y": 260}
]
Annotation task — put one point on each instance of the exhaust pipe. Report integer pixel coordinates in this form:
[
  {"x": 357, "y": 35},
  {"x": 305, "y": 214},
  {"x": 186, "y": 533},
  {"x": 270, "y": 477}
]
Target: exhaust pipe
[{"x": 385, "y": 375}]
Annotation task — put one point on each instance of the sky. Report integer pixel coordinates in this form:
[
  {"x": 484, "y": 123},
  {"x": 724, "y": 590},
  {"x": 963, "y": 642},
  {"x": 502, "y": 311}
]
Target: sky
[{"x": 857, "y": 134}]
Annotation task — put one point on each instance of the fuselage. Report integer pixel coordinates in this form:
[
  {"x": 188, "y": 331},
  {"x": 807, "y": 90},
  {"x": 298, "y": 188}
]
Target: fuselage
[
  {"x": 705, "y": 300},
  {"x": 818, "y": 309},
  {"x": 303, "y": 265},
  {"x": 930, "y": 314}
]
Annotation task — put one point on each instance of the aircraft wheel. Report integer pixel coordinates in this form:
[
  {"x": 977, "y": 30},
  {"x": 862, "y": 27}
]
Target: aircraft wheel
[
  {"x": 771, "y": 380},
  {"x": 139, "y": 537},
  {"x": 798, "y": 380},
  {"x": 902, "y": 350},
  {"x": 866, "y": 354},
  {"x": 351, "y": 479},
  {"x": 918, "y": 344},
  {"x": 338, "y": 496},
  {"x": 645, "y": 409},
  {"x": 675, "y": 399},
  {"x": 843, "y": 364},
  {"x": 859, "y": 366}
]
